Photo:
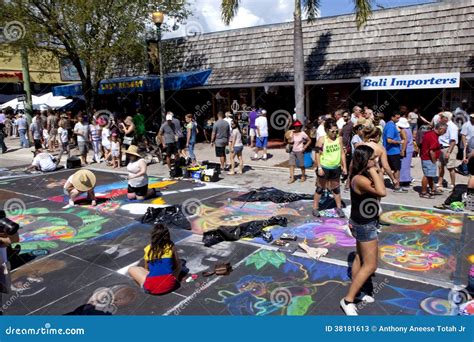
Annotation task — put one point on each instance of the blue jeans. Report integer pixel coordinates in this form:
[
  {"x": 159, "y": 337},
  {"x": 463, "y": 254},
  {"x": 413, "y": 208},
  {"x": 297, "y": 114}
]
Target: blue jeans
[
  {"x": 191, "y": 150},
  {"x": 24, "y": 138}
]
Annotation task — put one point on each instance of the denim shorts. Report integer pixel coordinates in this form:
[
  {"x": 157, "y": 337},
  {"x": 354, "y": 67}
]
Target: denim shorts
[
  {"x": 364, "y": 232},
  {"x": 429, "y": 168}
]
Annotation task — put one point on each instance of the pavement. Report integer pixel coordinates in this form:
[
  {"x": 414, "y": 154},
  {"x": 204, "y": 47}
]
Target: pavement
[{"x": 75, "y": 260}]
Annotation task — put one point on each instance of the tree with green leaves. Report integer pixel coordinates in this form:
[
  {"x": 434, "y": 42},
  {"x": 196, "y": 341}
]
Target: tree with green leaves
[
  {"x": 97, "y": 36},
  {"x": 363, "y": 10}
]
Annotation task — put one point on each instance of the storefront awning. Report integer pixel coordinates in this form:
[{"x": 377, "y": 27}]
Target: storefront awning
[{"x": 140, "y": 84}]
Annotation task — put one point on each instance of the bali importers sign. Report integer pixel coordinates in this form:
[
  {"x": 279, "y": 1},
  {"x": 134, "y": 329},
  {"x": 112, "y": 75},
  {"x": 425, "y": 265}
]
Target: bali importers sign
[{"x": 422, "y": 81}]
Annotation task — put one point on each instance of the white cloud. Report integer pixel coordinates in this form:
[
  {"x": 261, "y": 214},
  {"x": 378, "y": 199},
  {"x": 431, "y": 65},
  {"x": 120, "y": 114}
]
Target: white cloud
[{"x": 207, "y": 15}]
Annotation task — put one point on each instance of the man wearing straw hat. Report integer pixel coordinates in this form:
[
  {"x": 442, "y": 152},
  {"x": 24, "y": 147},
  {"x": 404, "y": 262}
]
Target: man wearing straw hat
[
  {"x": 137, "y": 176},
  {"x": 80, "y": 182}
]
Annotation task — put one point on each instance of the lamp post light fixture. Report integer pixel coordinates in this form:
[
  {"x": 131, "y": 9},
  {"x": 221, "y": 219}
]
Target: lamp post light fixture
[{"x": 158, "y": 18}]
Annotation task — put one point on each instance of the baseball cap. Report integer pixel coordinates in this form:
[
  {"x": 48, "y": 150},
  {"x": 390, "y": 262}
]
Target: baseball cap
[{"x": 169, "y": 117}]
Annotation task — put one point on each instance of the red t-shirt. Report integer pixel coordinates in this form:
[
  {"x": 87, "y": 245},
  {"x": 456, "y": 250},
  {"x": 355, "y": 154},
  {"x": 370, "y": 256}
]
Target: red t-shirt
[{"x": 429, "y": 142}]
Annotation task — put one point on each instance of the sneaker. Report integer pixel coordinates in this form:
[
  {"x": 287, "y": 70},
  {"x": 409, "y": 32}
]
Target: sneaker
[
  {"x": 349, "y": 309},
  {"x": 264, "y": 157},
  {"x": 365, "y": 298},
  {"x": 316, "y": 213},
  {"x": 340, "y": 213},
  {"x": 404, "y": 189},
  {"x": 398, "y": 190}
]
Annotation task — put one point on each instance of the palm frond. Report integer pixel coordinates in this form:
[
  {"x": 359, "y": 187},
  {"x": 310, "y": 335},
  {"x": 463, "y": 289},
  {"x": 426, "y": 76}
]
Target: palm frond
[
  {"x": 229, "y": 10},
  {"x": 363, "y": 9},
  {"x": 311, "y": 8}
]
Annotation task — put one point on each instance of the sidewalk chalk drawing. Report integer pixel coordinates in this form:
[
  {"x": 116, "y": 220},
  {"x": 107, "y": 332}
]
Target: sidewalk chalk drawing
[
  {"x": 416, "y": 252},
  {"x": 233, "y": 214},
  {"x": 423, "y": 221},
  {"x": 327, "y": 233},
  {"x": 422, "y": 303},
  {"x": 28, "y": 281},
  {"x": 292, "y": 292},
  {"x": 44, "y": 229}
]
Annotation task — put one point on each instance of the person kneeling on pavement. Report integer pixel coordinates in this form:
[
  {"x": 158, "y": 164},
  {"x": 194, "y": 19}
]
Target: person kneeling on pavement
[
  {"x": 83, "y": 181},
  {"x": 43, "y": 162},
  {"x": 137, "y": 176}
]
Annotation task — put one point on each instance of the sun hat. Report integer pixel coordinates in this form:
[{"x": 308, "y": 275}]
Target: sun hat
[
  {"x": 83, "y": 180},
  {"x": 297, "y": 123},
  {"x": 361, "y": 121},
  {"x": 133, "y": 150},
  {"x": 448, "y": 115},
  {"x": 403, "y": 123}
]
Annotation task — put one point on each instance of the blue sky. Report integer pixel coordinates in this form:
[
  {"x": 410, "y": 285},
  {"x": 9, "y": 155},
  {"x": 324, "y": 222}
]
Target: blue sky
[{"x": 206, "y": 13}]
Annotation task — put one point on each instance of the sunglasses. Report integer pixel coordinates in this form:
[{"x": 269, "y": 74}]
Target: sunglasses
[{"x": 333, "y": 131}]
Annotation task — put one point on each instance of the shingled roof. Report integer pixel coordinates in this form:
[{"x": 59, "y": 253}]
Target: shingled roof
[{"x": 428, "y": 38}]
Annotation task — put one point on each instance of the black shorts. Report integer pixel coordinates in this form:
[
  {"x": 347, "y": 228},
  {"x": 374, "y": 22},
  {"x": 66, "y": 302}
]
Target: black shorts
[
  {"x": 331, "y": 174},
  {"x": 220, "y": 151},
  {"x": 181, "y": 143},
  {"x": 171, "y": 149},
  {"x": 395, "y": 162},
  {"x": 141, "y": 191},
  {"x": 470, "y": 166}
]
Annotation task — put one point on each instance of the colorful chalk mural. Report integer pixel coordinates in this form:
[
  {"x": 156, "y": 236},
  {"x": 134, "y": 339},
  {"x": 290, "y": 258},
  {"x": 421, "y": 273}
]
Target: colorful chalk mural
[
  {"x": 424, "y": 221},
  {"x": 291, "y": 291},
  {"x": 417, "y": 252},
  {"x": 43, "y": 228},
  {"x": 235, "y": 213}
]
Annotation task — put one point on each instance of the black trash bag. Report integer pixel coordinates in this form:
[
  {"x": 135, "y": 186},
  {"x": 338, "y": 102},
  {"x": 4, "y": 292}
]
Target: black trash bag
[
  {"x": 172, "y": 217},
  {"x": 265, "y": 194},
  {"x": 245, "y": 230}
]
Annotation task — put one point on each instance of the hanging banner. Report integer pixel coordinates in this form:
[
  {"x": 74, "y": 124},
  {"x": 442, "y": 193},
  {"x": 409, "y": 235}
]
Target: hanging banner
[
  {"x": 11, "y": 77},
  {"x": 422, "y": 81}
]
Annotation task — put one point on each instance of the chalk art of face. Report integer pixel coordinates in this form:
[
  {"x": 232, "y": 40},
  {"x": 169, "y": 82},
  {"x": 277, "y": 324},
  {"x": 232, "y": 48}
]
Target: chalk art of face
[
  {"x": 28, "y": 281},
  {"x": 422, "y": 221},
  {"x": 410, "y": 259},
  {"x": 42, "y": 229},
  {"x": 52, "y": 183}
]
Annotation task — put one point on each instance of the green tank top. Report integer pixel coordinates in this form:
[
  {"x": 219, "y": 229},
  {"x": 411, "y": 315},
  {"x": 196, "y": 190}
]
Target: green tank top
[{"x": 331, "y": 156}]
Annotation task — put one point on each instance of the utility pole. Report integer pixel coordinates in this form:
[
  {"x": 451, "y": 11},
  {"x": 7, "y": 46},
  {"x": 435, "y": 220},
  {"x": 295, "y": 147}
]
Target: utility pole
[{"x": 25, "y": 68}]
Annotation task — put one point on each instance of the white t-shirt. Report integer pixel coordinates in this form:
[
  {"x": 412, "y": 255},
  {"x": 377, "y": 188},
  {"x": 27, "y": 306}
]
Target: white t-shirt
[
  {"x": 340, "y": 123},
  {"x": 106, "y": 137},
  {"x": 44, "y": 161},
  {"x": 262, "y": 124},
  {"x": 413, "y": 117},
  {"x": 63, "y": 135},
  {"x": 320, "y": 132},
  {"x": 451, "y": 134},
  {"x": 468, "y": 130},
  {"x": 84, "y": 129}
]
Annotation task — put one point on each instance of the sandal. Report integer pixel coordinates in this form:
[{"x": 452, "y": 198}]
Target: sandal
[
  {"x": 437, "y": 191},
  {"x": 303, "y": 179},
  {"x": 426, "y": 195},
  {"x": 291, "y": 181}
]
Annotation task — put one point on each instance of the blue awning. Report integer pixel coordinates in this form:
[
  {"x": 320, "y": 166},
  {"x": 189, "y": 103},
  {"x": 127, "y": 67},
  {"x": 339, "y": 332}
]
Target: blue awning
[{"x": 140, "y": 84}]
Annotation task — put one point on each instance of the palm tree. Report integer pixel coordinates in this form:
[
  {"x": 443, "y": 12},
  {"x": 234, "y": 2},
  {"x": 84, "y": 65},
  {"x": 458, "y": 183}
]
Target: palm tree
[{"x": 363, "y": 9}]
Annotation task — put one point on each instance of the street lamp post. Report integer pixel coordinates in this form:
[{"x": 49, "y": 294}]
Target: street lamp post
[{"x": 158, "y": 18}]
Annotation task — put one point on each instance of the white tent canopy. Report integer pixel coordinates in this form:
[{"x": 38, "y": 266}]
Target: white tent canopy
[{"x": 46, "y": 101}]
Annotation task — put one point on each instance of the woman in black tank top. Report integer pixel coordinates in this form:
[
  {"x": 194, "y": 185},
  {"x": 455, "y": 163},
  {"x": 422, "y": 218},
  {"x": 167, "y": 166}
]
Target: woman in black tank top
[{"x": 367, "y": 186}]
